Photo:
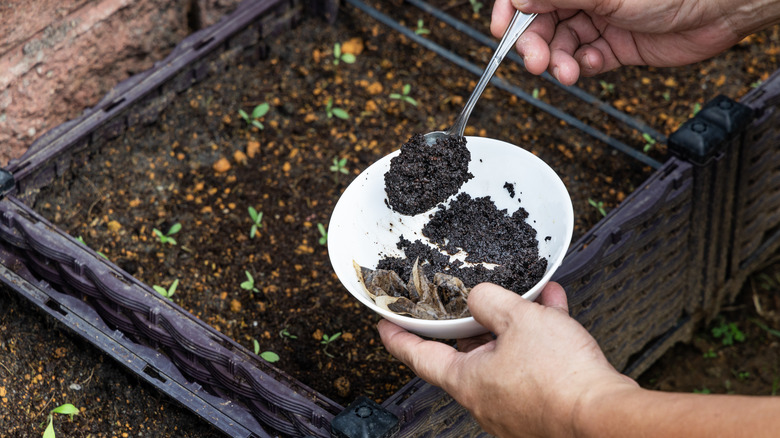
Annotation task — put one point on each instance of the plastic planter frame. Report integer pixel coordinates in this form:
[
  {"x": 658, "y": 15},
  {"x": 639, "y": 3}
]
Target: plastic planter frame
[{"x": 643, "y": 278}]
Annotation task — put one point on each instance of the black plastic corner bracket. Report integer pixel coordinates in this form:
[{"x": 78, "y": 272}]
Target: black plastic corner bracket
[
  {"x": 702, "y": 137},
  {"x": 364, "y": 418},
  {"x": 7, "y": 182}
]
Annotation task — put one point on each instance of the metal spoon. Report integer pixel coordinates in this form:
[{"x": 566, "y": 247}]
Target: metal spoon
[{"x": 519, "y": 24}]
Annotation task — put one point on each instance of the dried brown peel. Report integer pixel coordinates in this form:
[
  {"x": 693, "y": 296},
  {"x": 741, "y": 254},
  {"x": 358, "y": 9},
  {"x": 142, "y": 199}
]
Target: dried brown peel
[{"x": 443, "y": 298}]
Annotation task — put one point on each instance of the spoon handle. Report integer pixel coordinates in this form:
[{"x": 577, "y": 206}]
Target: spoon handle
[{"x": 517, "y": 26}]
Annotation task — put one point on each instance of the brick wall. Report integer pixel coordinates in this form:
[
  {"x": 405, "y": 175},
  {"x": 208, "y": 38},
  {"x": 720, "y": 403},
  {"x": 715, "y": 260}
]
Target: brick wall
[{"x": 58, "y": 57}]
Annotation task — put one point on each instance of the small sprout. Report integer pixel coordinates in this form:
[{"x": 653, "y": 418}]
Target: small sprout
[
  {"x": 257, "y": 113},
  {"x": 268, "y": 356},
  {"x": 81, "y": 239},
  {"x": 710, "y": 354},
  {"x": 606, "y": 88},
  {"x": 257, "y": 221},
  {"x": 64, "y": 409},
  {"x": 696, "y": 109},
  {"x": 421, "y": 30},
  {"x": 323, "y": 234},
  {"x": 338, "y": 56},
  {"x": 330, "y": 111},
  {"x": 728, "y": 332},
  {"x": 476, "y": 5},
  {"x": 167, "y": 293},
  {"x": 326, "y": 340},
  {"x": 742, "y": 375},
  {"x": 339, "y": 166},
  {"x": 249, "y": 284},
  {"x": 756, "y": 84},
  {"x": 598, "y": 206},
  {"x": 649, "y": 142},
  {"x": 667, "y": 96},
  {"x": 704, "y": 390},
  {"x": 766, "y": 328},
  {"x": 404, "y": 96},
  {"x": 284, "y": 333},
  {"x": 166, "y": 237},
  {"x": 535, "y": 93}
]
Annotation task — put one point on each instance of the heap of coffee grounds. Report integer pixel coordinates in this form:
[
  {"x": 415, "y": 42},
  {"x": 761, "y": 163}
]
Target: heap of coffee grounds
[
  {"x": 423, "y": 175},
  {"x": 487, "y": 235}
]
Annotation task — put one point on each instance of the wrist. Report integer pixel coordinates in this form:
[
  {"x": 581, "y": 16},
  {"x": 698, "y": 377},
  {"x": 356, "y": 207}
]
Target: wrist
[
  {"x": 595, "y": 408},
  {"x": 750, "y": 16}
]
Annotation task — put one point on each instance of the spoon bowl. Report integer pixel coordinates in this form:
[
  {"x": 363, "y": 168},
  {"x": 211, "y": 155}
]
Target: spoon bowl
[
  {"x": 517, "y": 26},
  {"x": 364, "y": 229}
]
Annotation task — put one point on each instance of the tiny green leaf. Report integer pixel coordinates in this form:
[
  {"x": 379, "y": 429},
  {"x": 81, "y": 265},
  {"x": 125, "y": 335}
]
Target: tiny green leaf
[
  {"x": 270, "y": 356},
  {"x": 340, "y": 113},
  {"x": 256, "y": 345},
  {"x": 348, "y": 58},
  {"x": 49, "y": 432},
  {"x": 407, "y": 88},
  {"x": 66, "y": 409},
  {"x": 261, "y": 110}
]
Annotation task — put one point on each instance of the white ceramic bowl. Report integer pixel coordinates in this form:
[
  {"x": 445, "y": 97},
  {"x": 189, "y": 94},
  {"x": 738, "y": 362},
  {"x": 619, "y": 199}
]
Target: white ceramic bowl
[{"x": 364, "y": 229}]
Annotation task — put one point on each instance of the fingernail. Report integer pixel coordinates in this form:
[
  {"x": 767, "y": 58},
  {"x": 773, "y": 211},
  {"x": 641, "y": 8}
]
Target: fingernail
[
  {"x": 555, "y": 72},
  {"x": 585, "y": 63}
]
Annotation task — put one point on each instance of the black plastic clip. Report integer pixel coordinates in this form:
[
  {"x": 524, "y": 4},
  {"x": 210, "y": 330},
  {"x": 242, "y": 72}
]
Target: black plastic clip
[
  {"x": 364, "y": 418},
  {"x": 7, "y": 182},
  {"x": 702, "y": 138}
]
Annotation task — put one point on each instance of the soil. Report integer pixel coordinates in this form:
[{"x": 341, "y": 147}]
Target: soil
[
  {"x": 423, "y": 175},
  {"x": 487, "y": 235},
  {"x": 202, "y": 166}
]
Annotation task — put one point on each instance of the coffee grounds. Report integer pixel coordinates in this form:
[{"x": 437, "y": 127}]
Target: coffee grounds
[
  {"x": 487, "y": 235},
  {"x": 423, "y": 175}
]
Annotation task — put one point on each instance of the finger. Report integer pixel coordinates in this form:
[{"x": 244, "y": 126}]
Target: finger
[
  {"x": 570, "y": 35},
  {"x": 495, "y": 307},
  {"x": 500, "y": 17},
  {"x": 601, "y": 7},
  {"x": 554, "y": 296},
  {"x": 428, "y": 359},
  {"x": 466, "y": 345}
]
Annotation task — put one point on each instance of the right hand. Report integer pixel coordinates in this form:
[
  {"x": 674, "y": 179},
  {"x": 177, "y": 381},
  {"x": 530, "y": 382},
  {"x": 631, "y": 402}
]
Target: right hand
[{"x": 570, "y": 38}]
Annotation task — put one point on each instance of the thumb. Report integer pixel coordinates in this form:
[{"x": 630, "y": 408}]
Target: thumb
[{"x": 495, "y": 307}]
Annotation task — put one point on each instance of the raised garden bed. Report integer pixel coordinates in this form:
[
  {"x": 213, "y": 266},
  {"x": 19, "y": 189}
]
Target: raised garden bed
[{"x": 153, "y": 154}]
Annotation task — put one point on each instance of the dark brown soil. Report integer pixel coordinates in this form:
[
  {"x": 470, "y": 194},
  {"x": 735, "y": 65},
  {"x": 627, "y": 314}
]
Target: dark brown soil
[
  {"x": 423, "y": 175},
  {"x": 487, "y": 235},
  {"x": 202, "y": 166}
]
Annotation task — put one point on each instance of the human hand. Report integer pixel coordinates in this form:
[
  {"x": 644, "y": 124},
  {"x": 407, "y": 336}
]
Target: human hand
[
  {"x": 570, "y": 38},
  {"x": 529, "y": 380}
]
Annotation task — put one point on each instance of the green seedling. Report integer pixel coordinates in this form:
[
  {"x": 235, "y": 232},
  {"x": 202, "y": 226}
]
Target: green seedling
[
  {"x": 710, "y": 354},
  {"x": 64, "y": 409},
  {"x": 167, "y": 293},
  {"x": 742, "y": 375},
  {"x": 696, "y": 109},
  {"x": 704, "y": 390},
  {"x": 598, "y": 206},
  {"x": 535, "y": 93},
  {"x": 766, "y": 328},
  {"x": 339, "y": 166},
  {"x": 756, "y": 84},
  {"x": 606, "y": 88},
  {"x": 330, "y": 111},
  {"x": 268, "y": 356},
  {"x": 476, "y": 5},
  {"x": 775, "y": 385},
  {"x": 649, "y": 142},
  {"x": 404, "y": 96},
  {"x": 338, "y": 56},
  {"x": 166, "y": 237},
  {"x": 667, "y": 96},
  {"x": 257, "y": 113},
  {"x": 728, "y": 332},
  {"x": 257, "y": 221},
  {"x": 81, "y": 239},
  {"x": 323, "y": 234},
  {"x": 249, "y": 284},
  {"x": 421, "y": 30},
  {"x": 284, "y": 333},
  {"x": 326, "y": 340}
]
